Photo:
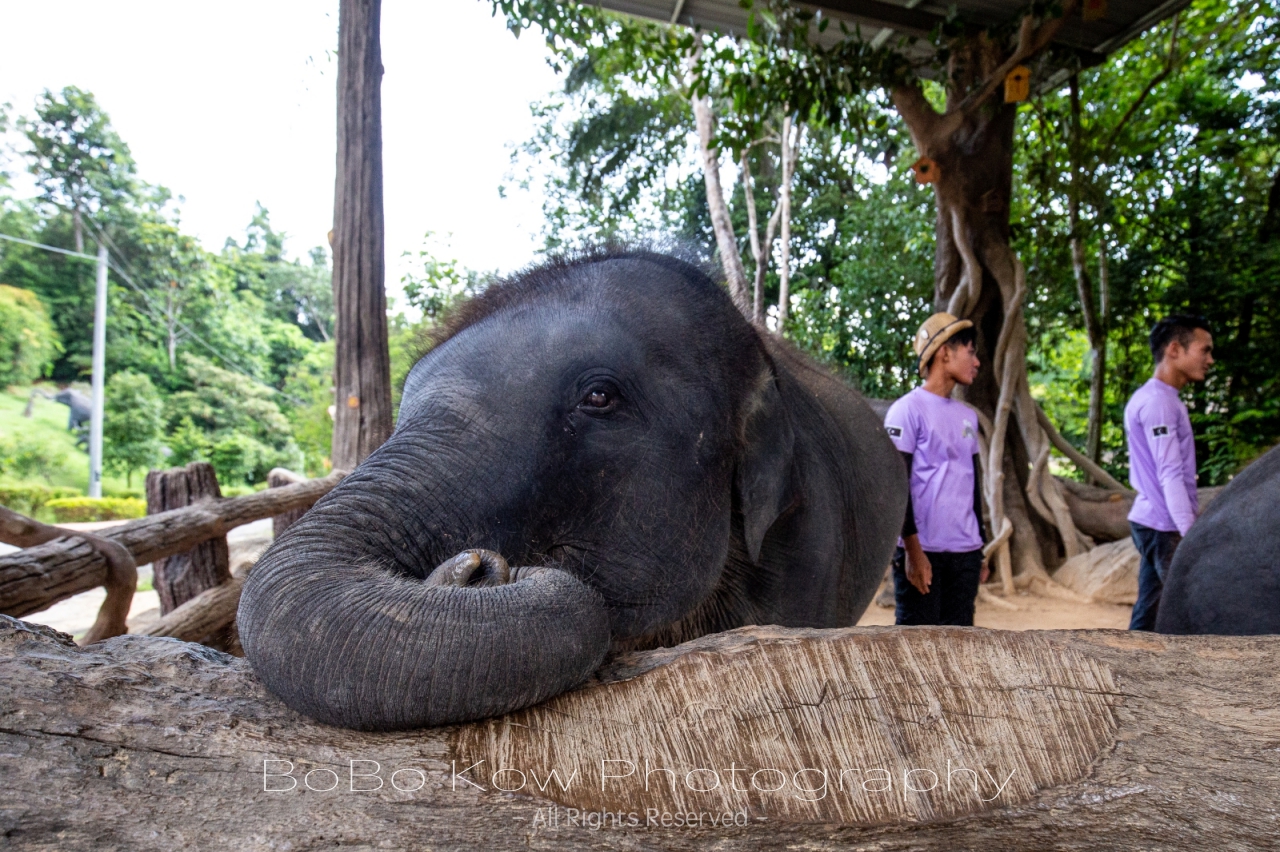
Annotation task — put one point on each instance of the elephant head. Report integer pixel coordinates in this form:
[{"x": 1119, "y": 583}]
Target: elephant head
[{"x": 597, "y": 424}]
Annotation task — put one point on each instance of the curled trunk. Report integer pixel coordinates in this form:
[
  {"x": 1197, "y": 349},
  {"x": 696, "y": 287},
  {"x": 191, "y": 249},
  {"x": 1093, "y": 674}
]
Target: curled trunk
[{"x": 337, "y": 628}]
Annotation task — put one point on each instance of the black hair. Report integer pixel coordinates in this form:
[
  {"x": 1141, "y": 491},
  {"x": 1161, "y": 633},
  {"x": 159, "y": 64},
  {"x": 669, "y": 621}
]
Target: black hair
[
  {"x": 963, "y": 337},
  {"x": 1179, "y": 327}
]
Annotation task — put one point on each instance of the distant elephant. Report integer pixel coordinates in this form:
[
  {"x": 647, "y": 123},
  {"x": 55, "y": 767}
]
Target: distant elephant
[
  {"x": 657, "y": 467},
  {"x": 1225, "y": 576},
  {"x": 80, "y": 407}
]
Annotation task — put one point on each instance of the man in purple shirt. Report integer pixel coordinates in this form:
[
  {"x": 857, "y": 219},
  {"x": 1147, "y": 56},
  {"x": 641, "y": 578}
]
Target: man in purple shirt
[
  {"x": 938, "y": 565},
  {"x": 1162, "y": 455}
]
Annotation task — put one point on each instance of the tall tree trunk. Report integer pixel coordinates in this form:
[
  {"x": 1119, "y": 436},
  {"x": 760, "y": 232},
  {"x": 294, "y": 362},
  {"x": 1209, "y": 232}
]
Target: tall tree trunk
[
  {"x": 977, "y": 276},
  {"x": 1098, "y": 381},
  {"x": 784, "y": 204},
  {"x": 77, "y": 227},
  {"x": 1093, "y": 322},
  {"x": 761, "y": 251},
  {"x": 362, "y": 365},
  {"x": 721, "y": 223}
]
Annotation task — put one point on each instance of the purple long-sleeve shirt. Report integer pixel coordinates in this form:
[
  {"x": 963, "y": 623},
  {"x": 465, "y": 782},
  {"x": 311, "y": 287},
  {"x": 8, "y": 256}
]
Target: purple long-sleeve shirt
[
  {"x": 942, "y": 436},
  {"x": 1162, "y": 459}
]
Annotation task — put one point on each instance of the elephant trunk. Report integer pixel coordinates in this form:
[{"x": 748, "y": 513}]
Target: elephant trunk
[{"x": 340, "y": 636}]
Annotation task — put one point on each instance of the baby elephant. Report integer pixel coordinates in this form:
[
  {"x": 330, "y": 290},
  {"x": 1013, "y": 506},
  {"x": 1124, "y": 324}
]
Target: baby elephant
[{"x": 596, "y": 454}]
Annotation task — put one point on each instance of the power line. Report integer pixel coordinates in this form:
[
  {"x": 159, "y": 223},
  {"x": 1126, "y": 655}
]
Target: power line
[
  {"x": 150, "y": 308},
  {"x": 49, "y": 248}
]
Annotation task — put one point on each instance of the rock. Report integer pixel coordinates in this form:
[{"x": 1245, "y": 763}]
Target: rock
[{"x": 1106, "y": 574}]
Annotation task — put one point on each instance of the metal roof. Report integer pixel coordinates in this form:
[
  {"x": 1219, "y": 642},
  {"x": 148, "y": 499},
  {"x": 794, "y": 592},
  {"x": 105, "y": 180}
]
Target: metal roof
[{"x": 881, "y": 19}]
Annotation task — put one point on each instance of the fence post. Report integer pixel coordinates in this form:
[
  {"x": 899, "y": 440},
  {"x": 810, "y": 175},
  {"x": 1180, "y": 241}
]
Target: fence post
[{"x": 180, "y": 578}]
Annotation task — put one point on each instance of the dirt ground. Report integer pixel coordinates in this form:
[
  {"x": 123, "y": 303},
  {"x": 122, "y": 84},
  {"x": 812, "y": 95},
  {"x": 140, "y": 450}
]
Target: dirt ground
[{"x": 1034, "y": 612}]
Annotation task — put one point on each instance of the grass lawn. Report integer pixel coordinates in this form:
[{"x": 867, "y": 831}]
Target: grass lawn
[{"x": 49, "y": 423}]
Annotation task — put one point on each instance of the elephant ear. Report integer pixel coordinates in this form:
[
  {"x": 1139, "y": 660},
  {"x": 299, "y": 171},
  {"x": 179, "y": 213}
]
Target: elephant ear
[{"x": 763, "y": 478}]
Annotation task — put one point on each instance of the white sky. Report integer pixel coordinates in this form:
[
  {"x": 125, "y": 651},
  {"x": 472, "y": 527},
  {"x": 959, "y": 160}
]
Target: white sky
[{"x": 231, "y": 103}]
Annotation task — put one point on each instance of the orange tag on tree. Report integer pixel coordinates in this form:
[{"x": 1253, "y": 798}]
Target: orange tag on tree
[
  {"x": 926, "y": 170},
  {"x": 1094, "y": 10},
  {"x": 1017, "y": 85}
]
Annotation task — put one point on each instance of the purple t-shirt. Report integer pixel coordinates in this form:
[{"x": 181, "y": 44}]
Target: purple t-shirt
[
  {"x": 1162, "y": 459},
  {"x": 942, "y": 436}
]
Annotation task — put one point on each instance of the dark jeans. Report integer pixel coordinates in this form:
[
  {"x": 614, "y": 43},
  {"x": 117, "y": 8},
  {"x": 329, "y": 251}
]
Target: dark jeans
[
  {"x": 951, "y": 592},
  {"x": 1156, "y": 549}
]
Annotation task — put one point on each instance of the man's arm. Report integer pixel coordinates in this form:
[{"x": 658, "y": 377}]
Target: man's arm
[
  {"x": 919, "y": 571},
  {"x": 1162, "y": 437},
  {"x": 977, "y": 513}
]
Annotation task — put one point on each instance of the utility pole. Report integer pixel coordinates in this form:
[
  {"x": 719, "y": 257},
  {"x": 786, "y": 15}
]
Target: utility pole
[{"x": 99, "y": 368}]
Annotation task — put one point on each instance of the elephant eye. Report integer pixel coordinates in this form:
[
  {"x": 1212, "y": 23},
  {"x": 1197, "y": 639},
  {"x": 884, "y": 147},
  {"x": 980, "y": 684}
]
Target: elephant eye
[{"x": 599, "y": 399}]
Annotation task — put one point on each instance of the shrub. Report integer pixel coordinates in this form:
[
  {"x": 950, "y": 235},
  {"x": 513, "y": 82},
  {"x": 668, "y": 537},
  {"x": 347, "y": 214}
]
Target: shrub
[
  {"x": 25, "y": 456},
  {"x": 31, "y": 499},
  {"x": 69, "y": 510}
]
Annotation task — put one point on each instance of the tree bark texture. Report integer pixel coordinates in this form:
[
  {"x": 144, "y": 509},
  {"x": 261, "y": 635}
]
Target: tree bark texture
[
  {"x": 862, "y": 738},
  {"x": 362, "y": 365},
  {"x": 1093, "y": 313},
  {"x": 181, "y": 577},
  {"x": 39, "y": 576}
]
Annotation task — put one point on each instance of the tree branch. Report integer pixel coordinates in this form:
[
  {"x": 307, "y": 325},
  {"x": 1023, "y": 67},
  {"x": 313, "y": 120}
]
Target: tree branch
[
  {"x": 1169, "y": 62},
  {"x": 1031, "y": 40}
]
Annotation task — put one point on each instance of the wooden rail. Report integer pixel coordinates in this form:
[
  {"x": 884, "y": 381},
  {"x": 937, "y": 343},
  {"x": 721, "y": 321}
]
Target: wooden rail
[{"x": 39, "y": 577}]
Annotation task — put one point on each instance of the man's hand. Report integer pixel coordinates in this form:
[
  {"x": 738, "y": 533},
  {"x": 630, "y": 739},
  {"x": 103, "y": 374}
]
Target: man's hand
[
  {"x": 985, "y": 573},
  {"x": 919, "y": 571}
]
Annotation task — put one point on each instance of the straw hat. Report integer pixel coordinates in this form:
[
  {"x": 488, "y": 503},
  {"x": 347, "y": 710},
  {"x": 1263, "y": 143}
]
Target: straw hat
[{"x": 935, "y": 331}]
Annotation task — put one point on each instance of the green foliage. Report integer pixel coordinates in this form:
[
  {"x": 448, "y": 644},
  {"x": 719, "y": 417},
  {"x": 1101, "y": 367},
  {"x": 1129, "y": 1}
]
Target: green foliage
[
  {"x": 24, "y": 456},
  {"x": 28, "y": 342},
  {"x": 132, "y": 424},
  {"x": 78, "y": 161},
  {"x": 310, "y": 384},
  {"x": 30, "y": 500},
  {"x": 865, "y": 281},
  {"x": 187, "y": 443},
  {"x": 439, "y": 283},
  {"x": 1178, "y": 169},
  {"x": 73, "y": 510},
  {"x": 242, "y": 431}
]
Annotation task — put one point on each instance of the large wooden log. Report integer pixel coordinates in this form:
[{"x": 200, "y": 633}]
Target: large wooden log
[
  {"x": 182, "y": 576},
  {"x": 871, "y": 738},
  {"x": 38, "y": 577}
]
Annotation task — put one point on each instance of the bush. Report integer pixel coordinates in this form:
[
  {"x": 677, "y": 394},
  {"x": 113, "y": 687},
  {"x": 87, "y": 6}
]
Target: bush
[
  {"x": 31, "y": 499},
  {"x": 70, "y": 510},
  {"x": 28, "y": 343},
  {"x": 25, "y": 456}
]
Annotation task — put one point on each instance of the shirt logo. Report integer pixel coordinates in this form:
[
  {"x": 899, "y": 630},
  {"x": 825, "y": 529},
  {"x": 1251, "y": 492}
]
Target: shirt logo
[
  {"x": 894, "y": 431},
  {"x": 968, "y": 430},
  {"x": 1157, "y": 431}
]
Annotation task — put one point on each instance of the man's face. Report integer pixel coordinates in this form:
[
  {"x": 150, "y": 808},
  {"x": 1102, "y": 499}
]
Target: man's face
[
  {"x": 960, "y": 362},
  {"x": 1194, "y": 359}
]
